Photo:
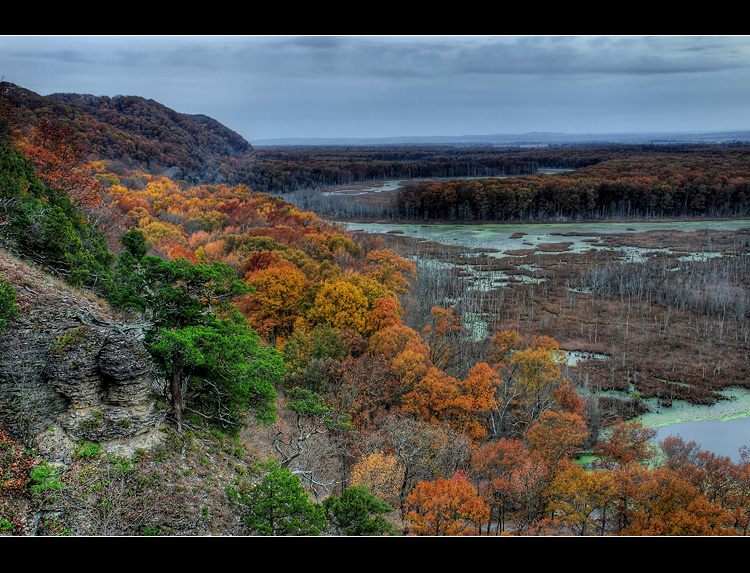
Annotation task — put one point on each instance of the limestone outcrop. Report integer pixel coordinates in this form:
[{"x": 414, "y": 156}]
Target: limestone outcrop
[{"x": 70, "y": 370}]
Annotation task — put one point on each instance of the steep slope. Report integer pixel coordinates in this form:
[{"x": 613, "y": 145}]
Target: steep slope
[{"x": 142, "y": 133}]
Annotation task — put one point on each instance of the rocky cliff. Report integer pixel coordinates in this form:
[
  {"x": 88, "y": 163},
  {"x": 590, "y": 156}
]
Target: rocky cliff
[{"x": 70, "y": 370}]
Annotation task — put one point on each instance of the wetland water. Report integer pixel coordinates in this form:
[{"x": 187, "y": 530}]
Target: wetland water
[
  {"x": 505, "y": 236},
  {"x": 722, "y": 428}
]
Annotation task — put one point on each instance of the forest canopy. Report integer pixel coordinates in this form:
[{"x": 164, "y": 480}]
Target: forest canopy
[{"x": 356, "y": 393}]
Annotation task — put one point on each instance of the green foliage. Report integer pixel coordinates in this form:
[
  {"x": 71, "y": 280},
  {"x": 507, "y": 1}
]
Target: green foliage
[
  {"x": 250, "y": 244},
  {"x": 358, "y": 512},
  {"x": 307, "y": 403},
  {"x": 279, "y": 505},
  {"x": 230, "y": 370},
  {"x": 323, "y": 342},
  {"x": 86, "y": 450},
  {"x": 295, "y": 350},
  {"x": 130, "y": 289},
  {"x": 45, "y": 226},
  {"x": 197, "y": 334},
  {"x": 18, "y": 180},
  {"x": 150, "y": 530},
  {"x": 135, "y": 242},
  {"x": 326, "y": 342},
  {"x": 8, "y": 308},
  {"x": 63, "y": 341},
  {"x": 175, "y": 294},
  {"x": 188, "y": 294},
  {"x": 45, "y": 477}
]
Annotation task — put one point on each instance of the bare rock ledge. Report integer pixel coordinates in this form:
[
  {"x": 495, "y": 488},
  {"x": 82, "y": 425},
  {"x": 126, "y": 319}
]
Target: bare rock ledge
[{"x": 70, "y": 371}]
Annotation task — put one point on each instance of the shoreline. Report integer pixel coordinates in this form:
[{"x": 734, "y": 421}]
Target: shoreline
[
  {"x": 515, "y": 222},
  {"x": 737, "y": 406}
]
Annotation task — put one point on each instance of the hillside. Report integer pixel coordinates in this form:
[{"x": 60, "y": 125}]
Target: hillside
[
  {"x": 140, "y": 133},
  {"x": 311, "y": 380}
]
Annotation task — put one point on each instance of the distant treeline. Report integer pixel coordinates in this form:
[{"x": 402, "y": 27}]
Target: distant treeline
[
  {"x": 286, "y": 169},
  {"x": 638, "y": 182}
]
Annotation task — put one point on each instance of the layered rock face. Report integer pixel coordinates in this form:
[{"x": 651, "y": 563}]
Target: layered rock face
[{"x": 67, "y": 366}]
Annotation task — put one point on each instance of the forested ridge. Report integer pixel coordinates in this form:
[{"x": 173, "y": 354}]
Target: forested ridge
[
  {"x": 133, "y": 132},
  {"x": 311, "y": 387}
]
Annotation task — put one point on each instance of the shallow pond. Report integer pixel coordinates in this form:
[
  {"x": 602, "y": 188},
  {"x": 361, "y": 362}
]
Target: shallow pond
[
  {"x": 721, "y": 438},
  {"x": 722, "y": 428},
  {"x": 502, "y": 237}
]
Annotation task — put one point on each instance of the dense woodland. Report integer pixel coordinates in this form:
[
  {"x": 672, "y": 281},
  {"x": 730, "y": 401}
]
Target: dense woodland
[
  {"x": 321, "y": 364},
  {"x": 658, "y": 182}
]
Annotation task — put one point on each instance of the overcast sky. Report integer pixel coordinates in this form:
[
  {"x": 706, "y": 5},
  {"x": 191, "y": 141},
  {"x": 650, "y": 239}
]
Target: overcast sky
[{"x": 267, "y": 87}]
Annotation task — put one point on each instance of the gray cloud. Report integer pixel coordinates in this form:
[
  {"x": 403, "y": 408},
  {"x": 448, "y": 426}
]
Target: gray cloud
[{"x": 307, "y": 86}]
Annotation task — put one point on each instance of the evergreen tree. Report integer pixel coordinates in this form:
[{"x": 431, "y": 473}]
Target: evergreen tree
[
  {"x": 279, "y": 505},
  {"x": 229, "y": 370},
  {"x": 214, "y": 362},
  {"x": 358, "y": 512}
]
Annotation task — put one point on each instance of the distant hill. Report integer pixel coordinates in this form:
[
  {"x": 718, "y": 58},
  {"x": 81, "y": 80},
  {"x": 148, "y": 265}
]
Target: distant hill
[
  {"x": 534, "y": 139},
  {"x": 141, "y": 133},
  {"x": 134, "y": 133}
]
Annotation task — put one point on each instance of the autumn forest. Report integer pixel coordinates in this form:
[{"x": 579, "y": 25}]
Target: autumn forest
[{"x": 346, "y": 366}]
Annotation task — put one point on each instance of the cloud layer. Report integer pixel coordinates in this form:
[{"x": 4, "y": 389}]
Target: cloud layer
[{"x": 378, "y": 86}]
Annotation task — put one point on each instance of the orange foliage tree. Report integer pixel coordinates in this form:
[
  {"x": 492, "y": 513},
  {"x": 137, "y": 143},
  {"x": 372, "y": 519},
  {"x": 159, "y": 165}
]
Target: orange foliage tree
[
  {"x": 663, "y": 502},
  {"x": 492, "y": 466},
  {"x": 434, "y": 398},
  {"x": 180, "y": 252},
  {"x": 626, "y": 443},
  {"x": 393, "y": 340},
  {"x": 385, "y": 313},
  {"x": 582, "y": 500},
  {"x": 273, "y": 306},
  {"x": 59, "y": 158},
  {"x": 557, "y": 436},
  {"x": 440, "y": 334},
  {"x": 528, "y": 491},
  {"x": 478, "y": 392},
  {"x": 390, "y": 269},
  {"x": 463, "y": 404},
  {"x": 446, "y": 507}
]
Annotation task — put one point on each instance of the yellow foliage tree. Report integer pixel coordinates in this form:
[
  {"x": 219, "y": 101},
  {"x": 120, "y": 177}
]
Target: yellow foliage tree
[
  {"x": 532, "y": 376},
  {"x": 582, "y": 499},
  {"x": 341, "y": 304},
  {"x": 381, "y": 474},
  {"x": 390, "y": 269}
]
